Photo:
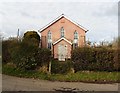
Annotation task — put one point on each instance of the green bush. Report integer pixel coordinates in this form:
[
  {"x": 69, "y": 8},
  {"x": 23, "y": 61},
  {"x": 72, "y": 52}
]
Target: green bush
[
  {"x": 97, "y": 59},
  {"x": 32, "y": 36},
  {"x": 7, "y": 45},
  {"x": 23, "y": 56},
  {"x": 43, "y": 56},
  {"x": 61, "y": 67},
  {"x": 81, "y": 57},
  {"x": 27, "y": 56},
  {"x": 117, "y": 59},
  {"x": 9, "y": 70},
  {"x": 5, "y": 52},
  {"x": 105, "y": 59}
]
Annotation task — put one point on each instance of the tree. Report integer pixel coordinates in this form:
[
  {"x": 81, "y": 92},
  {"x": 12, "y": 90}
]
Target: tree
[{"x": 32, "y": 36}]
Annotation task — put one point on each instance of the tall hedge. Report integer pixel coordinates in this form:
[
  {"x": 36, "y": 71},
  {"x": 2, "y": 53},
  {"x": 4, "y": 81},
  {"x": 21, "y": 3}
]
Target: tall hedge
[
  {"x": 96, "y": 59},
  {"x": 61, "y": 67},
  {"x": 7, "y": 45},
  {"x": 27, "y": 56}
]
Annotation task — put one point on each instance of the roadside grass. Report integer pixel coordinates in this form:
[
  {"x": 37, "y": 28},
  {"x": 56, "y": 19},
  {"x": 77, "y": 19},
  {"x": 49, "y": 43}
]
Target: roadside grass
[
  {"x": 81, "y": 76},
  {"x": 98, "y": 77},
  {"x": 8, "y": 70}
]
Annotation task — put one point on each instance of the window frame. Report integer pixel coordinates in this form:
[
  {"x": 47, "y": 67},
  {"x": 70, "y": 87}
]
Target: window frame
[
  {"x": 62, "y": 31},
  {"x": 49, "y": 35},
  {"x": 49, "y": 40},
  {"x": 75, "y": 35}
]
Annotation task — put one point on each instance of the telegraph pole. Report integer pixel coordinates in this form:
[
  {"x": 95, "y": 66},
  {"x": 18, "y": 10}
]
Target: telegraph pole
[{"x": 18, "y": 34}]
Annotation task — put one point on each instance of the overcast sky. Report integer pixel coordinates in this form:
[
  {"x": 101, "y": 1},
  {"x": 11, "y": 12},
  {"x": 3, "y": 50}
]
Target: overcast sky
[{"x": 100, "y": 18}]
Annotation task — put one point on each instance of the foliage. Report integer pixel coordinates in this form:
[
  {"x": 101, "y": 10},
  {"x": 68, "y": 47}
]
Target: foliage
[
  {"x": 23, "y": 56},
  {"x": 5, "y": 52},
  {"x": 81, "y": 57},
  {"x": 82, "y": 76},
  {"x": 95, "y": 59},
  {"x": 9, "y": 70},
  {"x": 33, "y": 37},
  {"x": 7, "y": 45},
  {"x": 87, "y": 76},
  {"x": 26, "y": 56},
  {"x": 43, "y": 56},
  {"x": 61, "y": 67},
  {"x": 30, "y": 57}
]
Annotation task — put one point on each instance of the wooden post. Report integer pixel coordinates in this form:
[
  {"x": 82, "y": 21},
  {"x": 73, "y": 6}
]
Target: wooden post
[{"x": 50, "y": 67}]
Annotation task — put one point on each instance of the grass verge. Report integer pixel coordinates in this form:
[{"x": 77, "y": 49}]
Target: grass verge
[
  {"x": 92, "y": 77},
  {"x": 82, "y": 76}
]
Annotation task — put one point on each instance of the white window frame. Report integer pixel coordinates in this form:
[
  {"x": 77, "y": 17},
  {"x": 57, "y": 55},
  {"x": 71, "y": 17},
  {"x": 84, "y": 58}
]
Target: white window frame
[
  {"x": 62, "y": 32},
  {"x": 76, "y": 39},
  {"x": 76, "y": 35},
  {"x": 49, "y": 39}
]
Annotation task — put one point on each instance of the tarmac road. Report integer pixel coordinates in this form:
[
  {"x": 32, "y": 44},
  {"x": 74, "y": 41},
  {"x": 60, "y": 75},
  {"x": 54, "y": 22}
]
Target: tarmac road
[{"x": 11, "y": 83}]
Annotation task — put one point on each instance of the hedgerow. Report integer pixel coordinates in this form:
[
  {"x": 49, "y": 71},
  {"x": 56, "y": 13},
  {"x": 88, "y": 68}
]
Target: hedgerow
[
  {"x": 25, "y": 55},
  {"x": 95, "y": 59}
]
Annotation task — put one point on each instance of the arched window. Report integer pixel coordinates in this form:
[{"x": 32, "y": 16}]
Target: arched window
[
  {"x": 49, "y": 40},
  {"x": 62, "y": 32},
  {"x": 49, "y": 35},
  {"x": 75, "y": 35},
  {"x": 75, "y": 44}
]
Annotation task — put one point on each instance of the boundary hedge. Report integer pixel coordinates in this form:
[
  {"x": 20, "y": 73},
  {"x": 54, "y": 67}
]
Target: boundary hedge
[{"x": 95, "y": 59}]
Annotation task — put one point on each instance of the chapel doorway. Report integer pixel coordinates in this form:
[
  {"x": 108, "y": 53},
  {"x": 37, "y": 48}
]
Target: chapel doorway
[{"x": 62, "y": 52}]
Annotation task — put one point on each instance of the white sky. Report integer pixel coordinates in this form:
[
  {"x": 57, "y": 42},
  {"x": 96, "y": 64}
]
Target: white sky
[{"x": 100, "y": 18}]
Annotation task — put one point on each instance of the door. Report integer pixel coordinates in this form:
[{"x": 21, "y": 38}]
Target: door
[{"x": 62, "y": 52}]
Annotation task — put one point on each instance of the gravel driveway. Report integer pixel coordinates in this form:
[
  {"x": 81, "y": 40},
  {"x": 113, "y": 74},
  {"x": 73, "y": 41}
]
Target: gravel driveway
[{"x": 10, "y": 83}]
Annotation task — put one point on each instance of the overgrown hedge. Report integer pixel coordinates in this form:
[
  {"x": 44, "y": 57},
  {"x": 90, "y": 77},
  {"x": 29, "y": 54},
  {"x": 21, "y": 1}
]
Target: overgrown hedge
[
  {"x": 7, "y": 46},
  {"x": 25, "y": 55},
  {"x": 61, "y": 67},
  {"x": 95, "y": 59}
]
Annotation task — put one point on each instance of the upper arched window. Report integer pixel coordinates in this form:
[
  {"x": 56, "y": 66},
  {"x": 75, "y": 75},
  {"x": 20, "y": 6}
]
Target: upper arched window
[
  {"x": 75, "y": 35},
  {"x": 62, "y": 32},
  {"x": 49, "y": 45},
  {"x": 49, "y": 35}
]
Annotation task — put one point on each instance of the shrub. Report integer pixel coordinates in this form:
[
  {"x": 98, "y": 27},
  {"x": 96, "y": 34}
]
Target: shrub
[
  {"x": 43, "y": 56},
  {"x": 104, "y": 59},
  {"x": 61, "y": 67},
  {"x": 7, "y": 45},
  {"x": 97, "y": 59},
  {"x": 5, "y": 52},
  {"x": 117, "y": 59},
  {"x": 28, "y": 57},
  {"x": 23, "y": 56},
  {"x": 82, "y": 57},
  {"x": 32, "y": 36}
]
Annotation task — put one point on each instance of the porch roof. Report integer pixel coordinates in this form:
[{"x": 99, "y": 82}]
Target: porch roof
[{"x": 61, "y": 40}]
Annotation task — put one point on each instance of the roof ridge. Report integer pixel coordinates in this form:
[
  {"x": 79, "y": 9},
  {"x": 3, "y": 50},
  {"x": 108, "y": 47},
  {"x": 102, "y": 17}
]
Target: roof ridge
[{"x": 59, "y": 17}]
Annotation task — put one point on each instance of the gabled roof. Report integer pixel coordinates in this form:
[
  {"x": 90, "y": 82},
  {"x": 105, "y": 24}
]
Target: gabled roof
[
  {"x": 61, "y": 16},
  {"x": 62, "y": 39}
]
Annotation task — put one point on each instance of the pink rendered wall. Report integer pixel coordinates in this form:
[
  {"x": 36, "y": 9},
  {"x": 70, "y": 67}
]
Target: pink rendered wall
[
  {"x": 69, "y": 47},
  {"x": 69, "y": 28}
]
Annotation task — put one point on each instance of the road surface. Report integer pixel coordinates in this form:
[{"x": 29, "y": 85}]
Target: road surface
[{"x": 11, "y": 83}]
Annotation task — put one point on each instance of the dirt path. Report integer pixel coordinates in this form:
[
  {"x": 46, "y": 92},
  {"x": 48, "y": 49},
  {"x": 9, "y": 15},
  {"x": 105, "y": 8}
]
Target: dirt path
[{"x": 10, "y": 83}]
